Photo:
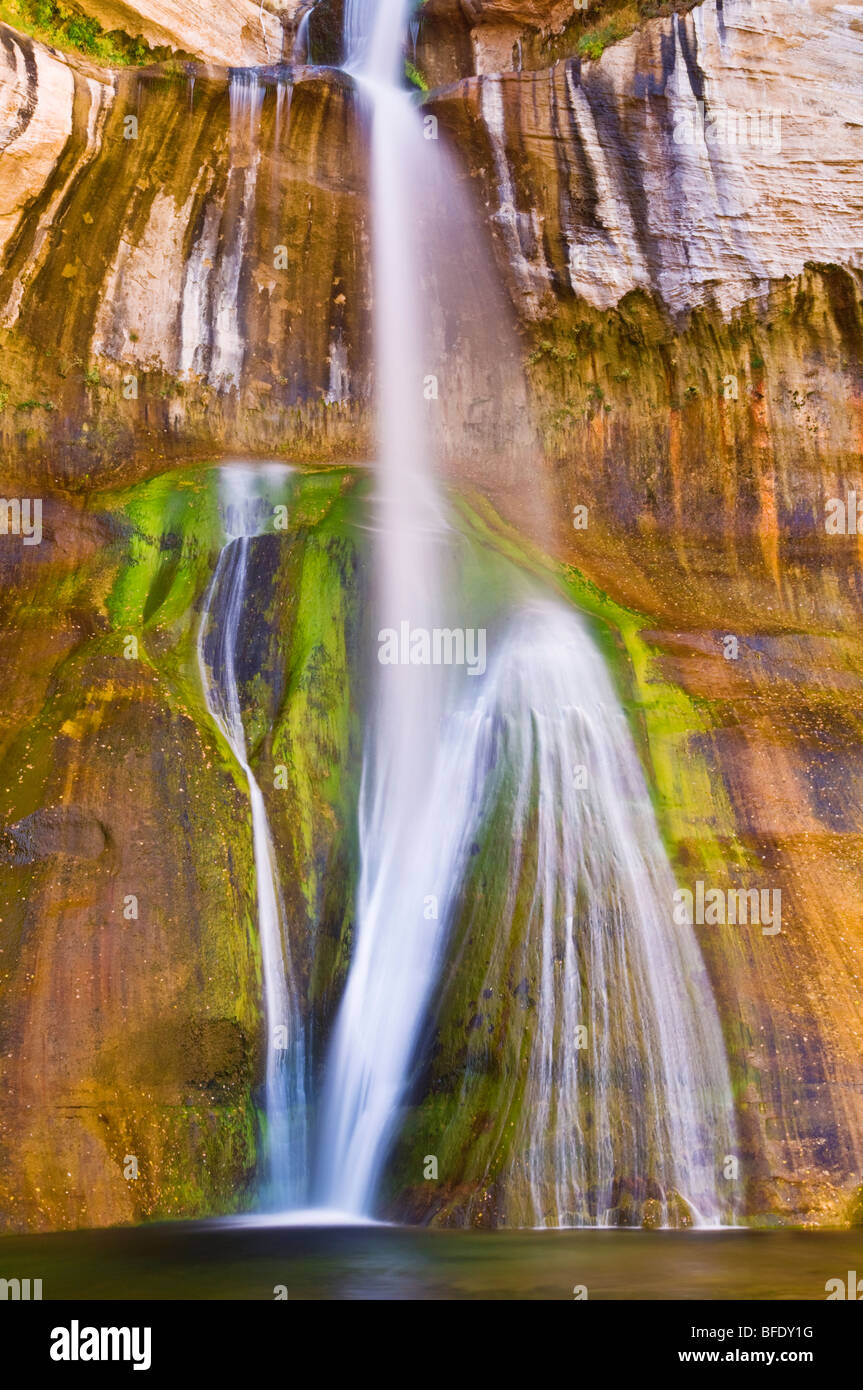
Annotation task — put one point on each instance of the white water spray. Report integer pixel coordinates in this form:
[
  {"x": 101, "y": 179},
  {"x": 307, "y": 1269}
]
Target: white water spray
[
  {"x": 403, "y": 856},
  {"x": 627, "y": 1094}
]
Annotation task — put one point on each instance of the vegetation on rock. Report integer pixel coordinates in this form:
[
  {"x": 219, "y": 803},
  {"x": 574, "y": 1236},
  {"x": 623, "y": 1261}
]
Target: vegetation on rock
[{"x": 63, "y": 25}]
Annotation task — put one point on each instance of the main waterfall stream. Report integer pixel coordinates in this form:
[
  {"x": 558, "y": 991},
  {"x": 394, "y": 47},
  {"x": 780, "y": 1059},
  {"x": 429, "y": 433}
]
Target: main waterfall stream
[
  {"x": 599, "y": 900},
  {"x": 520, "y": 756}
]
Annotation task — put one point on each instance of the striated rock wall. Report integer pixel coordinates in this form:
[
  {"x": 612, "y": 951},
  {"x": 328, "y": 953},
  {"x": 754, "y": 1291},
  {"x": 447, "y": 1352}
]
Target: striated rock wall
[
  {"x": 204, "y": 237},
  {"x": 700, "y": 159},
  {"x": 689, "y": 317},
  {"x": 598, "y": 180}
]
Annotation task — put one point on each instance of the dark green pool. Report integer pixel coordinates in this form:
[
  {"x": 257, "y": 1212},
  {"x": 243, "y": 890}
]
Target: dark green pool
[{"x": 222, "y": 1260}]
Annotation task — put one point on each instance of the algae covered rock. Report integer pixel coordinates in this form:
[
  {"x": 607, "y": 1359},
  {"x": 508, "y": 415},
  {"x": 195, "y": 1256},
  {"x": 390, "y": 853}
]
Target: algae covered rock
[{"x": 131, "y": 978}]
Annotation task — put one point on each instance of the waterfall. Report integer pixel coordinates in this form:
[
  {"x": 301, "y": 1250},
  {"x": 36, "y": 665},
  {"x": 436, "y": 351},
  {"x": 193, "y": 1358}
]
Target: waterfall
[
  {"x": 396, "y": 953},
  {"x": 621, "y": 1093},
  {"x": 244, "y": 509},
  {"x": 451, "y": 760},
  {"x": 300, "y": 48},
  {"x": 627, "y": 1092}
]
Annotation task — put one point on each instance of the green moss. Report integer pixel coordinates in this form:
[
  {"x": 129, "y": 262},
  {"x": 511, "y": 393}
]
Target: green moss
[
  {"x": 592, "y": 28},
  {"x": 317, "y": 733},
  {"x": 551, "y": 352},
  {"x": 65, "y": 26},
  {"x": 176, "y": 1076},
  {"x": 593, "y": 45},
  {"x": 300, "y": 702},
  {"x": 415, "y": 77}
]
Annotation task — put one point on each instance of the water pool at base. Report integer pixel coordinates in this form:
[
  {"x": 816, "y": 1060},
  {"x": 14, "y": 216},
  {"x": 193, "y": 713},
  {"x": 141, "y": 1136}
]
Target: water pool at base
[{"x": 235, "y": 1260}]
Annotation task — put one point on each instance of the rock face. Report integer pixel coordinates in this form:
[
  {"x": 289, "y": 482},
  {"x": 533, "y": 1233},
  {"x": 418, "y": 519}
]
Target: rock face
[
  {"x": 129, "y": 961},
  {"x": 696, "y": 365},
  {"x": 197, "y": 247},
  {"x": 688, "y": 310},
  {"x": 665, "y": 166},
  {"x": 130, "y": 999},
  {"x": 661, "y": 168},
  {"x": 239, "y": 33}
]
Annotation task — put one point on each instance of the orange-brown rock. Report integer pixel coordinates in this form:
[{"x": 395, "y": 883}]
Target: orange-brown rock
[{"x": 690, "y": 317}]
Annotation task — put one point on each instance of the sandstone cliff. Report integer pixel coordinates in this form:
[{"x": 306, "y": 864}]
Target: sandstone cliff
[{"x": 687, "y": 308}]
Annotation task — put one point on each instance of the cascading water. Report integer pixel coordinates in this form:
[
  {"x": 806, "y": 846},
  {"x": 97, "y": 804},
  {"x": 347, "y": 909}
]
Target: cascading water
[
  {"x": 300, "y": 49},
  {"x": 622, "y": 1090},
  {"x": 648, "y": 1102},
  {"x": 627, "y": 1094},
  {"x": 244, "y": 509},
  {"x": 396, "y": 953}
]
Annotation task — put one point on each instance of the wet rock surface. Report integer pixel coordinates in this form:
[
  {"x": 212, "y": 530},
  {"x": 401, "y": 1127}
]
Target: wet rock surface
[{"x": 688, "y": 315}]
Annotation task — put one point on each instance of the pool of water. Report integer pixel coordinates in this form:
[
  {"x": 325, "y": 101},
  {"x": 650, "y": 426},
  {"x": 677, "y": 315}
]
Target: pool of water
[{"x": 248, "y": 1260}]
